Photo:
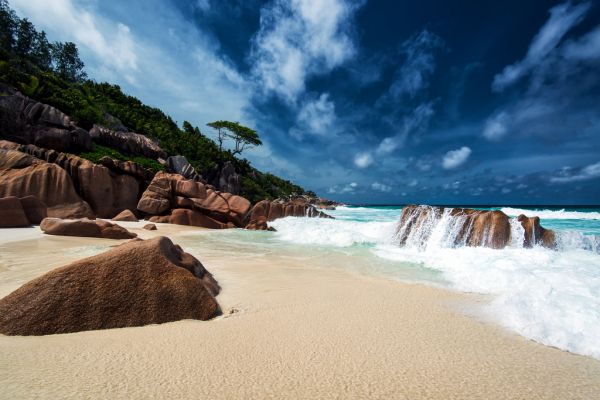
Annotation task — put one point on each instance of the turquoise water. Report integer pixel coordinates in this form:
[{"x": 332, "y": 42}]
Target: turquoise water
[{"x": 551, "y": 296}]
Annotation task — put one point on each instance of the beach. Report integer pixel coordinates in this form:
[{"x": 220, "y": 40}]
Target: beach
[{"x": 290, "y": 329}]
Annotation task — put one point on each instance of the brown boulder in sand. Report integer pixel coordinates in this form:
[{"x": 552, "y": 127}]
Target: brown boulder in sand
[
  {"x": 150, "y": 227},
  {"x": 85, "y": 228},
  {"x": 35, "y": 210},
  {"x": 12, "y": 214},
  {"x": 125, "y": 215},
  {"x": 138, "y": 283}
]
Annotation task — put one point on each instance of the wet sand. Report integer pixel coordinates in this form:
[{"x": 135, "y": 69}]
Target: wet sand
[{"x": 290, "y": 330}]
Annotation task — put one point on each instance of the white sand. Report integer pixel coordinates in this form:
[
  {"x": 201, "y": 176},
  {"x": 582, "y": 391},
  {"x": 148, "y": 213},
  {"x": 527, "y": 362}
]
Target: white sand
[{"x": 299, "y": 332}]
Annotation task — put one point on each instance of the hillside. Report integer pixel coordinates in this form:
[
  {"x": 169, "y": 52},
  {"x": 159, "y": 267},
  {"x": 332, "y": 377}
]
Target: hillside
[{"x": 52, "y": 73}]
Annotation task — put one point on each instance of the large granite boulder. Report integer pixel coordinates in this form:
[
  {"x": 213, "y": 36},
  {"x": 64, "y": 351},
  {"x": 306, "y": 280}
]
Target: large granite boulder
[
  {"x": 180, "y": 165},
  {"x": 27, "y": 121},
  {"x": 173, "y": 191},
  {"x": 229, "y": 180},
  {"x": 34, "y": 209},
  {"x": 184, "y": 216},
  {"x": 135, "y": 284},
  {"x": 465, "y": 227},
  {"x": 128, "y": 142},
  {"x": 266, "y": 210},
  {"x": 22, "y": 175},
  {"x": 12, "y": 214},
  {"x": 85, "y": 228},
  {"x": 126, "y": 215},
  {"x": 105, "y": 191},
  {"x": 535, "y": 234}
]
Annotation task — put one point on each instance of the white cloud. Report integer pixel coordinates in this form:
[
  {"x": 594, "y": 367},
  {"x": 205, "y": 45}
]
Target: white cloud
[
  {"x": 413, "y": 123},
  {"x": 112, "y": 43},
  {"x": 363, "y": 160},
  {"x": 563, "y": 17},
  {"x": 496, "y": 126},
  {"x": 455, "y": 158},
  {"x": 381, "y": 187},
  {"x": 349, "y": 188},
  {"x": 317, "y": 117},
  {"x": 300, "y": 38},
  {"x": 203, "y": 5},
  {"x": 414, "y": 74},
  {"x": 590, "y": 172},
  {"x": 586, "y": 48}
]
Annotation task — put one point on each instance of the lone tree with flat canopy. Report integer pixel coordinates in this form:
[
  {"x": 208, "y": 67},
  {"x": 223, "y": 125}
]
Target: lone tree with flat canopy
[{"x": 244, "y": 137}]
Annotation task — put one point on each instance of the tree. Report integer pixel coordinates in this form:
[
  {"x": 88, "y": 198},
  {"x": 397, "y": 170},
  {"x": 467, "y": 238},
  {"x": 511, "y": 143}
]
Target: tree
[
  {"x": 243, "y": 137},
  {"x": 42, "y": 51},
  {"x": 67, "y": 62},
  {"x": 26, "y": 35},
  {"x": 8, "y": 26}
]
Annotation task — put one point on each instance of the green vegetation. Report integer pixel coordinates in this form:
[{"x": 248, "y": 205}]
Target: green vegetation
[
  {"x": 53, "y": 73},
  {"x": 102, "y": 151}
]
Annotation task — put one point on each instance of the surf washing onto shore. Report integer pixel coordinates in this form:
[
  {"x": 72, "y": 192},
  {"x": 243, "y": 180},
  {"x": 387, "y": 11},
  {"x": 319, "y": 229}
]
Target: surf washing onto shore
[{"x": 550, "y": 296}]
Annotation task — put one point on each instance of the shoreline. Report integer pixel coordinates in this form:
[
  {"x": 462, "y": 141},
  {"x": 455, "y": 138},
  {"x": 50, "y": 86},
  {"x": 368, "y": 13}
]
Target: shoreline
[{"x": 297, "y": 331}]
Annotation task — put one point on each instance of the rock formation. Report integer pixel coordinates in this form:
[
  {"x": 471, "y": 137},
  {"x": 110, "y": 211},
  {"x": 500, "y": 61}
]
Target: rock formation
[
  {"x": 150, "y": 227},
  {"x": 128, "y": 142},
  {"x": 169, "y": 196},
  {"x": 85, "y": 228},
  {"x": 135, "y": 284},
  {"x": 180, "y": 165},
  {"x": 535, "y": 234},
  {"x": 125, "y": 215},
  {"x": 27, "y": 121},
  {"x": 266, "y": 210},
  {"x": 12, "y": 214},
  {"x": 463, "y": 227},
  {"x": 93, "y": 190}
]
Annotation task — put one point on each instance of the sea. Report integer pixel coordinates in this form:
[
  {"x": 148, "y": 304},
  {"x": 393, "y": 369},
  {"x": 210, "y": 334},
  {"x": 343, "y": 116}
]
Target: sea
[{"x": 551, "y": 296}]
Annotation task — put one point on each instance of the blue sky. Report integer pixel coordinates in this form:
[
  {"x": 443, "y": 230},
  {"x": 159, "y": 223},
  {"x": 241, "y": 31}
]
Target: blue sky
[{"x": 369, "y": 101}]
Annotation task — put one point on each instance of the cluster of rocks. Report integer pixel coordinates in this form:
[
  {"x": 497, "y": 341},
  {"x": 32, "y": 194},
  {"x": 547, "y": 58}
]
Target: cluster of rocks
[
  {"x": 266, "y": 210},
  {"x": 470, "y": 227},
  {"x": 85, "y": 228},
  {"x": 138, "y": 283}
]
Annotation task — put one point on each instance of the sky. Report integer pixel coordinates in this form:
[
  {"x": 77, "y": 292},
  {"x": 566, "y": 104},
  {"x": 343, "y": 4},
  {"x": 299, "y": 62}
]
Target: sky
[{"x": 368, "y": 101}]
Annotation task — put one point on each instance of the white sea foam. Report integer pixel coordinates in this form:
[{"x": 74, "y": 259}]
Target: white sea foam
[
  {"x": 550, "y": 296},
  {"x": 551, "y": 214}
]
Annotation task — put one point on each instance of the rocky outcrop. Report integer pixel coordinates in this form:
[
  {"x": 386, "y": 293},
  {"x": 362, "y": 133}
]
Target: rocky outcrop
[
  {"x": 450, "y": 227},
  {"x": 205, "y": 207},
  {"x": 85, "y": 228},
  {"x": 126, "y": 215},
  {"x": 128, "y": 168},
  {"x": 128, "y": 142},
  {"x": 34, "y": 209},
  {"x": 104, "y": 191},
  {"x": 266, "y": 210},
  {"x": 135, "y": 284},
  {"x": 463, "y": 226},
  {"x": 535, "y": 234},
  {"x": 180, "y": 165},
  {"x": 22, "y": 175},
  {"x": 12, "y": 214},
  {"x": 229, "y": 180},
  {"x": 27, "y": 121}
]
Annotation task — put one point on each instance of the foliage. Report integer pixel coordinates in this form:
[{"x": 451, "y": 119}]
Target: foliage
[
  {"x": 53, "y": 74},
  {"x": 102, "y": 151},
  {"x": 243, "y": 137}
]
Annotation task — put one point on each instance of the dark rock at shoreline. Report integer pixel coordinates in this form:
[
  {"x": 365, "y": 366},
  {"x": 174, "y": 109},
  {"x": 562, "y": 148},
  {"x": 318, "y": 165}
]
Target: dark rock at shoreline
[
  {"x": 12, "y": 214},
  {"x": 183, "y": 216},
  {"x": 266, "y": 210},
  {"x": 85, "y": 228},
  {"x": 536, "y": 234},
  {"x": 138, "y": 283},
  {"x": 125, "y": 215},
  {"x": 128, "y": 142},
  {"x": 475, "y": 227}
]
